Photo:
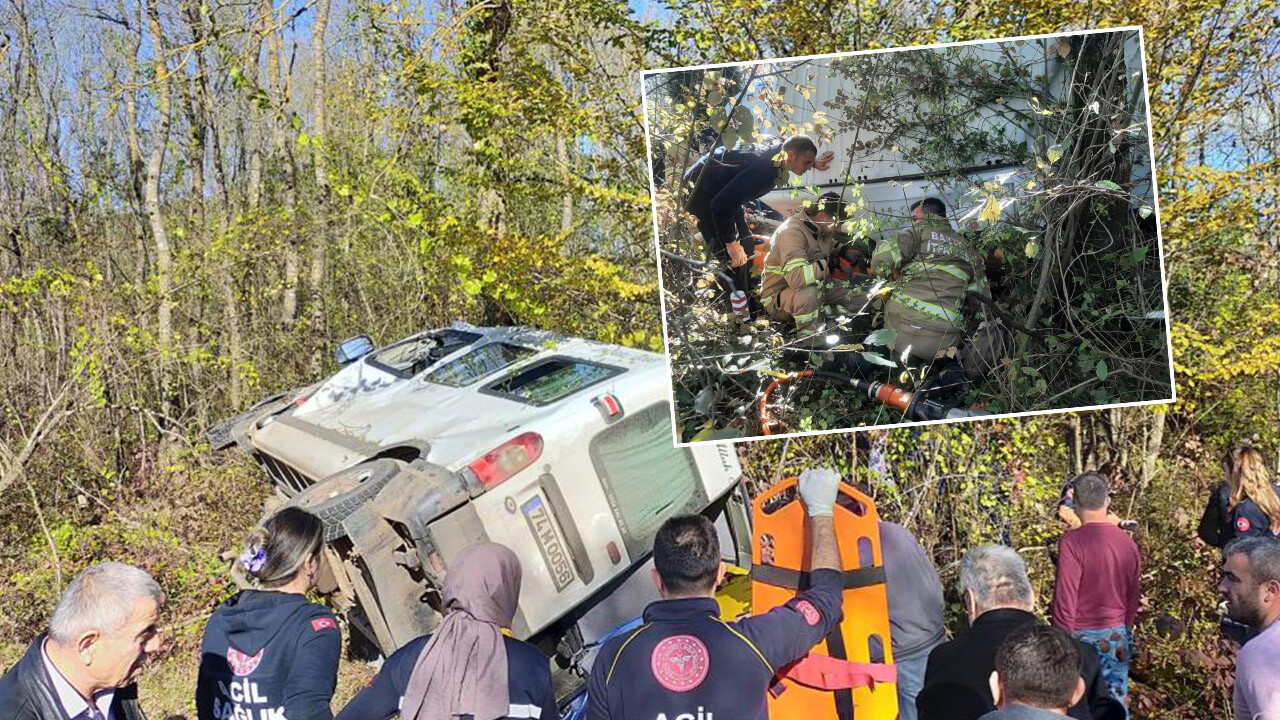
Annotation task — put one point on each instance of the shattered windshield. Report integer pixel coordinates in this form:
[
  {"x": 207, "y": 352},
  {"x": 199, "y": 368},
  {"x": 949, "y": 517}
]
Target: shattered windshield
[
  {"x": 551, "y": 380},
  {"x": 478, "y": 363},
  {"x": 410, "y": 357}
]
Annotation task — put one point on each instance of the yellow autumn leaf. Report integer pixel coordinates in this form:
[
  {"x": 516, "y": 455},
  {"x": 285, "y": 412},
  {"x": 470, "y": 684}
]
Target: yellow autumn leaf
[{"x": 991, "y": 210}]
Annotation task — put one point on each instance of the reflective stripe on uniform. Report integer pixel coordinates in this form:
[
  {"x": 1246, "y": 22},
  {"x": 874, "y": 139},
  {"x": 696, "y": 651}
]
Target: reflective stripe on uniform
[
  {"x": 806, "y": 317},
  {"x": 890, "y": 245},
  {"x": 524, "y": 711},
  {"x": 801, "y": 263},
  {"x": 953, "y": 271},
  {"x": 928, "y": 308},
  {"x": 766, "y": 301}
]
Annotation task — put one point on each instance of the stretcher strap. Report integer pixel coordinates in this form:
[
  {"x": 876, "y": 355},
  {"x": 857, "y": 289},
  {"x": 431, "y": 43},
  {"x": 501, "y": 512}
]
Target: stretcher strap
[
  {"x": 799, "y": 580},
  {"x": 843, "y": 695},
  {"x": 828, "y": 673}
]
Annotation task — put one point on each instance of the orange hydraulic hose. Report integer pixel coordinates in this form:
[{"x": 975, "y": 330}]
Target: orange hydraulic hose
[
  {"x": 887, "y": 395},
  {"x": 766, "y": 418}
]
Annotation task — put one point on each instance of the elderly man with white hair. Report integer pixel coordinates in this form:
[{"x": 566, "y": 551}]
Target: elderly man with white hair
[
  {"x": 98, "y": 640},
  {"x": 999, "y": 598}
]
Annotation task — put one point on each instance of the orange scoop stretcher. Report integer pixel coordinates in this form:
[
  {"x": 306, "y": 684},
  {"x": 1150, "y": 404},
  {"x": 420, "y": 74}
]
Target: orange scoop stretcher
[{"x": 850, "y": 674}]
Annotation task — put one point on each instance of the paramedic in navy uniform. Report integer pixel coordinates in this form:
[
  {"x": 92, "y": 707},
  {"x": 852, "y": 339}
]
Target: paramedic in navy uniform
[
  {"x": 470, "y": 667},
  {"x": 684, "y": 663},
  {"x": 268, "y": 653}
]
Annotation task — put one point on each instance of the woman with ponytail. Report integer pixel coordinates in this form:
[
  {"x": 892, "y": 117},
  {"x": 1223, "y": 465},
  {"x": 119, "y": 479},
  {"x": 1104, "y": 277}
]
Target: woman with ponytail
[
  {"x": 1247, "y": 504},
  {"x": 268, "y": 652}
]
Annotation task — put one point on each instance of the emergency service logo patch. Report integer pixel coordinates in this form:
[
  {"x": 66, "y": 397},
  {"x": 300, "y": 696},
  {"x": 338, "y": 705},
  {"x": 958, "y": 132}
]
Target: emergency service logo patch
[
  {"x": 680, "y": 663},
  {"x": 242, "y": 663},
  {"x": 319, "y": 624},
  {"x": 1243, "y": 524},
  {"x": 809, "y": 612}
]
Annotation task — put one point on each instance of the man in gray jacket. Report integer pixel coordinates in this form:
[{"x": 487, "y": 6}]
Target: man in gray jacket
[{"x": 915, "y": 610}]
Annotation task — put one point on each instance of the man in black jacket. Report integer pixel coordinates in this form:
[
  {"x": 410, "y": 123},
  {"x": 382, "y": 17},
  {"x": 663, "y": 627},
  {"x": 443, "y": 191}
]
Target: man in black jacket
[
  {"x": 722, "y": 182},
  {"x": 998, "y": 594},
  {"x": 86, "y": 666}
]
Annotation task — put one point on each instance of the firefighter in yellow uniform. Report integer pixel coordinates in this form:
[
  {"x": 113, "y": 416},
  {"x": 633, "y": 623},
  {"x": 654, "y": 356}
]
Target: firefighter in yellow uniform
[
  {"x": 934, "y": 267},
  {"x": 796, "y": 283}
]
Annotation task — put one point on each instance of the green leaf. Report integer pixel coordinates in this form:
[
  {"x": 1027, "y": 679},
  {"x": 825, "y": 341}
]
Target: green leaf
[
  {"x": 883, "y": 336},
  {"x": 1032, "y": 371},
  {"x": 1145, "y": 212},
  {"x": 876, "y": 359},
  {"x": 414, "y": 219},
  {"x": 1101, "y": 369},
  {"x": 1107, "y": 185},
  {"x": 1031, "y": 249},
  {"x": 1139, "y": 255},
  {"x": 1055, "y": 153}
]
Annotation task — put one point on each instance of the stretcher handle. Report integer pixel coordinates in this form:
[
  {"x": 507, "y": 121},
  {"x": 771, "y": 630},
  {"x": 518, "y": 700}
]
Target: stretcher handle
[{"x": 786, "y": 492}]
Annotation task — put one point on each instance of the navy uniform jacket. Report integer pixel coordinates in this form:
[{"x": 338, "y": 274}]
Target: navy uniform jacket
[
  {"x": 685, "y": 663},
  {"x": 728, "y": 179},
  {"x": 1222, "y": 523},
  {"x": 528, "y": 684},
  {"x": 268, "y": 656}
]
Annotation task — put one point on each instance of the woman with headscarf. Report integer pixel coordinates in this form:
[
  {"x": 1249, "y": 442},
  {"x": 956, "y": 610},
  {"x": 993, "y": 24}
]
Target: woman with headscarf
[
  {"x": 268, "y": 651},
  {"x": 1247, "y": 504},
  {"x": 471, "y": 667}
]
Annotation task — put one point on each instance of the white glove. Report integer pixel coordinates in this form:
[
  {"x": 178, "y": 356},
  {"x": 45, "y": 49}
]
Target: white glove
[{"x": 818, "y": 488}]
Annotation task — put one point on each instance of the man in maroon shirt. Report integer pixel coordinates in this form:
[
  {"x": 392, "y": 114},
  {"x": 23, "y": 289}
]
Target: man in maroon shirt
[{"x": 1096, "y": 595}]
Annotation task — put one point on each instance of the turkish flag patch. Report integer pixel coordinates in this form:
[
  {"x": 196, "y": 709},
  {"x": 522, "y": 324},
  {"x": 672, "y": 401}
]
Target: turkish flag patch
[
  {"x": 319, "y": 624},
  {"x": 1243, "y": 524}
]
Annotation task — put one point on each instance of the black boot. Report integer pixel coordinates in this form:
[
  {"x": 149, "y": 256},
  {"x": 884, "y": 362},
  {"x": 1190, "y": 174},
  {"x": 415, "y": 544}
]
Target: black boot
[{"x": 948, "y": 382}]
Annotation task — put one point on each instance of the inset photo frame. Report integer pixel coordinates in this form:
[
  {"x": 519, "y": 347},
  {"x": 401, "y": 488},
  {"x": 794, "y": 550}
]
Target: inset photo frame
[{"x": 912, "y": 235}]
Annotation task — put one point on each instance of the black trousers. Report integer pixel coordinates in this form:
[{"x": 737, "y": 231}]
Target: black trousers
[{"x": 699, "y": 206}]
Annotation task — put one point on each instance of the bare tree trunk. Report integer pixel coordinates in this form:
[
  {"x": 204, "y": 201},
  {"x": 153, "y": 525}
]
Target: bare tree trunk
[
  {"x": 1077, "y": 444},
  {"x": 195, "y": 148},
  {"x": 562, "y": 155},
  {"x": 151, "y": 196},
  {"x": 226, "y": 260},
  {"x": 320, "y": 234},
  {"x": 1155, "y": 438},
  {"x": 136, "y": 169},
  {"x": 284, "y": 149}
]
